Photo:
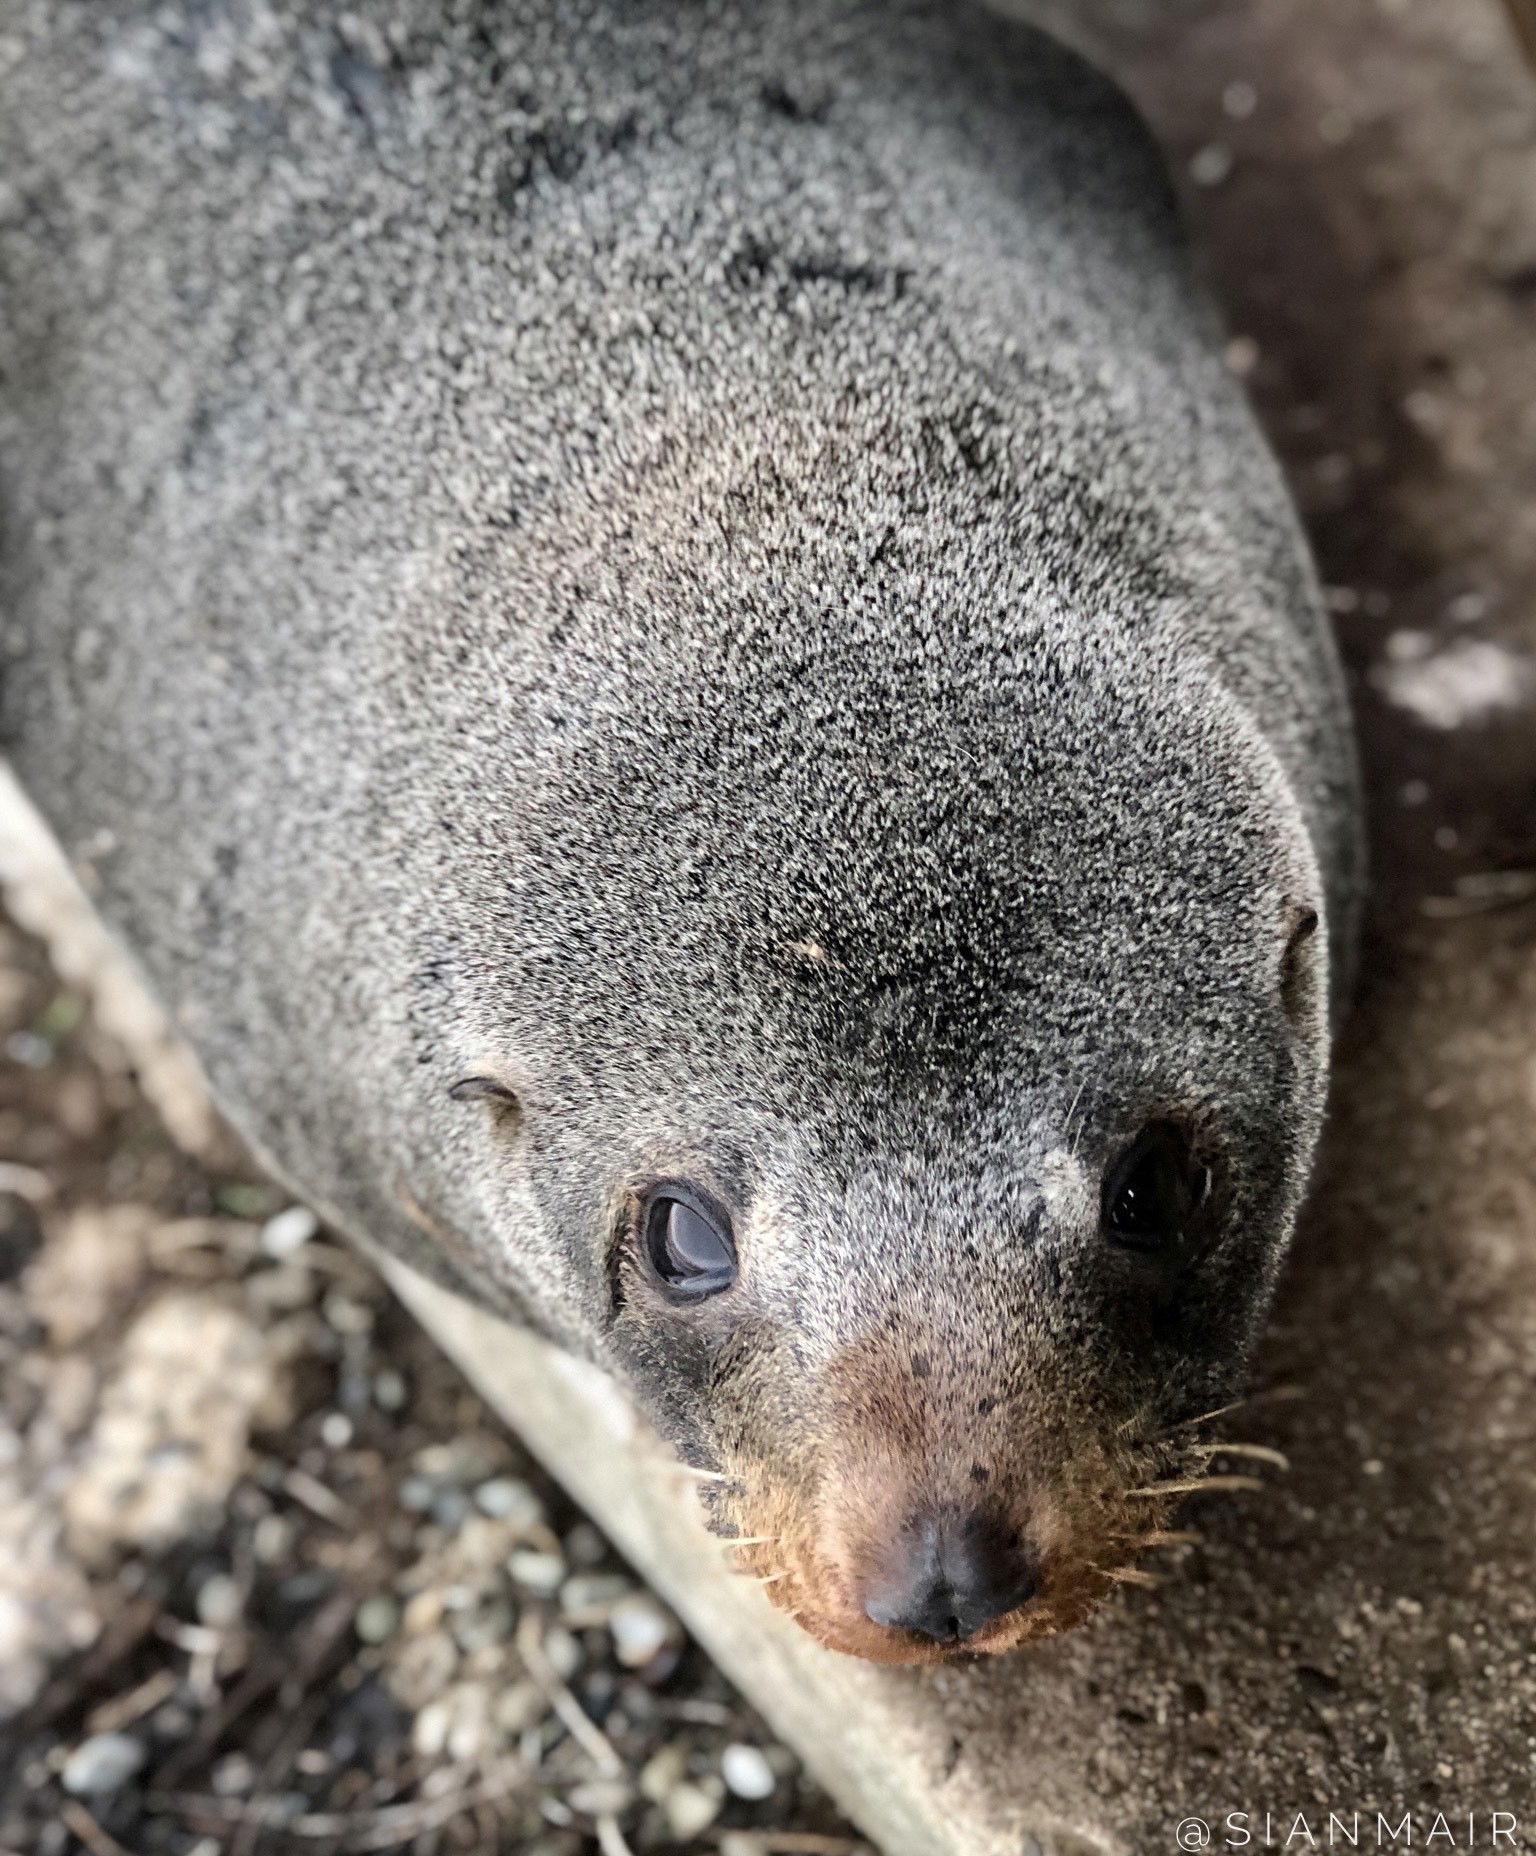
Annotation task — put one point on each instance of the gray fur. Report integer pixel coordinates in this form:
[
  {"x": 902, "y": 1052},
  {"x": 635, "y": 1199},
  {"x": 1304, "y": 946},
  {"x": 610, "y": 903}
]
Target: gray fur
[{"x": 700, "y": 558}]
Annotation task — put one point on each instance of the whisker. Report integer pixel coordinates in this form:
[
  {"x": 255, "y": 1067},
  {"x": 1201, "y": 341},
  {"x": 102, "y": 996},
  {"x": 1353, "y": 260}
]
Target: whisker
[
  {"x": 1132, "y": 1575},
  {"x": 1190, "y": 1483},
  {"x": 1163, "y": 1537},
  {"x": 1260, "y": 1453},
  {"x": 772, "y": 1579},
  {"x": 1272, "y": 1395},
  {"x": 699, "y": 1475},
  {"x": 751, "y": 1540},
  {"x": 1072, "y": 1138}
]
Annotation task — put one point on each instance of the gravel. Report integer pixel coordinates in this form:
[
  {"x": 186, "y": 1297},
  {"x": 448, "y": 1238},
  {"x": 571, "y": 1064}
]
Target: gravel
[{"x": 272, "y": 1580}]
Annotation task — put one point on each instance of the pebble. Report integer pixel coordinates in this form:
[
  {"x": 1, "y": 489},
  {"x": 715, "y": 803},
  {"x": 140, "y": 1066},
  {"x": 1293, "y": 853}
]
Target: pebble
[
  {"x": 289, "y": 1231},
  {"x": 542, "y": 1573},
  {"x": 345, "y": 1315},
  {"x": 471, "y": 1717},
  {"x": 283, "y": 1289},
  {"x": 390, "y": 1392},
  {"x": 429, "y": 1733},
  {"x": 585, "y": 1546},
  {"x": 743, "y": 1843},
  {"x": 641, "y": 1629},
  {"x": 449, "y": 1507},
  {"x": 1242, "y": 355},
  {"x": 563, "y": 1652},
  {"x": 601, "y": 1797},
  {"x": 590, "y": 1596},
  {"x": 378, "y": 1618},
  {"x": 219, "y": 1601},
  {"x": 29, "y": 1050},
  {"x": 485, "y": 1625},
  {"x": 1239, "y": 100},
  {"x": 424, "y": 1612},
  {"x": 102, "y": 1764},
  {"x": 232, "y": 1776},
  {"x": 690, "y": 1808},
  {"x": 482, "y": 1546},
  {"x": 746, "y": 1772},
  {"x": 518, "y": 1707},
  {"x": 418, "y": 1493},
  {"x": 464, "y": 1460},
  {"x": 336, "y": 1430},
  {"x": 663, "y": 1772},
  {"x": 510, "y": 1499},
  {"x": 1210, "y": 166}
]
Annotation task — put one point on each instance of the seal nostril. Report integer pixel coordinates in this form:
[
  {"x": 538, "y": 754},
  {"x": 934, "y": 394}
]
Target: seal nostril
[{"x": 952, "y": 1577}]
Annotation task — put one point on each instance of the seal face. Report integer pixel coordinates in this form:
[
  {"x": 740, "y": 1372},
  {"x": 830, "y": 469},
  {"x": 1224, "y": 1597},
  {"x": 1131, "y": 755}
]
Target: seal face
[
  {"x": 933, "y": 1261},
  {"x": 713, "y": 718}
]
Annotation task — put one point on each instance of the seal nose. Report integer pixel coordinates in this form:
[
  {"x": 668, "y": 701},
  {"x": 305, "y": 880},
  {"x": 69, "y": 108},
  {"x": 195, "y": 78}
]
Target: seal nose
[{"x": 950, "y": 1576}]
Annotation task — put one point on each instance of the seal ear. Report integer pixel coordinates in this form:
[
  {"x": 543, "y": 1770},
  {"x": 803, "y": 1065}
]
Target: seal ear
[
  {"x": 1299, "y": 964},
  {"x": 486, "y": 1089}
]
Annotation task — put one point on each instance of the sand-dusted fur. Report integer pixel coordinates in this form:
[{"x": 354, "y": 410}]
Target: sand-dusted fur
[{"x": 697, "y": 562}]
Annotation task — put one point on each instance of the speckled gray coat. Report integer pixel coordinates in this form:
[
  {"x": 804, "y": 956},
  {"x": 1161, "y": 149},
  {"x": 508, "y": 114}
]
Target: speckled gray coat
[{"x": 698, "y": 557}]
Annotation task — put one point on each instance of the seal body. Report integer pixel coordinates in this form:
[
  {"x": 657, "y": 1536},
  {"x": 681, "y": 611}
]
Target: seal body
[{"x": 691, "y": 572}]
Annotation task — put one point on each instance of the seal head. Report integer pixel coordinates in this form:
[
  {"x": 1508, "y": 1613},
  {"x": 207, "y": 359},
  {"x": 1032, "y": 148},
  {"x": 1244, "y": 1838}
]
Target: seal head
[{"x": 939, "y": 1137}]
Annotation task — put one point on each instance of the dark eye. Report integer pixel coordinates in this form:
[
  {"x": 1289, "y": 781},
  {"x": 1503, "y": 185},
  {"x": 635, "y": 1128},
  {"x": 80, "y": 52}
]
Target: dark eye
[
  {"x": 688, "y": 1242},
  {"x": 1151, "y": 1197}
]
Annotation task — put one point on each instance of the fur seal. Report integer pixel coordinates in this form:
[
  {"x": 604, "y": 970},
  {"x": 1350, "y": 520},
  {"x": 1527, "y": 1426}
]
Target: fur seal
[{"x": 661, "y": 626}]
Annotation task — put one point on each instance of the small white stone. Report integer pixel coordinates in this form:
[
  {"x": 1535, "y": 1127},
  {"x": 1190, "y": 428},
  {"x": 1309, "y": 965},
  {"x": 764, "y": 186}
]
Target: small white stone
[
  {"x": 289, "y": 1231},
  {"x": 1467, "y": 608},
  {"x": 429, "y": 1734},
  {"x": 543, "y": 1573},
  {"x": 690, "y": 1809},
  {"x": 418, "y": 1493},
  {"x": 1468, "y": 681},
  {"x": 601, "y": 1797},
  {"x": 640, "y": 1629},
  {"x": 390, "y": 1391},
  {"x": 471, "y": 1718},
  {"x": 746, "y": 1772},
  {"x": 347, "y": 1315},
  {"x": 588, "y": 1597},
  {"x": 102, "y": 1764},
  {"x": 232, "y": 1776},
  {"x": 662, "y": 1772},
  {"x": 585, "y": 1546},
  {"x": 1210, "y": 166},
  {"x": 336, "y": 1430},
  {"x": 378, "y": 1618},
  {"x": 219, "y": 1602},
  {"x": 517, "y": 1708},
  {"x": 1239, "y": 100},
  {"x": 1242, "y": 356},
  {"x": 510, "y": 1499},
  {"x": 563, "y": 1652},
  {"x": 743, "y": 1843}
]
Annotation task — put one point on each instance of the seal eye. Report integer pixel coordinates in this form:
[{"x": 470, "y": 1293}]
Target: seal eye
[
  {"x": 688, "y": 1242},
  {"x": 1152, "y": 1195}
]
